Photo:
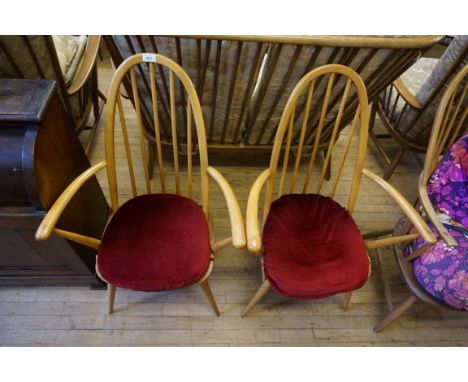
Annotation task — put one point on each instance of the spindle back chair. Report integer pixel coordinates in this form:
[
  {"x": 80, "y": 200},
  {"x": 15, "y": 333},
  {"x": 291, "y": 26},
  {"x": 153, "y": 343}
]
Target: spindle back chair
[
  {"x": 118, "y": 164},
  {"x": 350, "y": 148},
  {"x": 449, "y": 125}
]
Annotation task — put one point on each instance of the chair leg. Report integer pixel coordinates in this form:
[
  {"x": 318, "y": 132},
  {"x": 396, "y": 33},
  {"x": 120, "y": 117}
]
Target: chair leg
[
  {"x": 261, "y": 292},
  {"x": 346, "y": 300},
  {"x": 151, "y": 158},
  {"x": 394, "y": 163},
  {"x": 207, "y": 290},
  {"x": 393, "y": 315},
  {"x": 111, "y": 292}
]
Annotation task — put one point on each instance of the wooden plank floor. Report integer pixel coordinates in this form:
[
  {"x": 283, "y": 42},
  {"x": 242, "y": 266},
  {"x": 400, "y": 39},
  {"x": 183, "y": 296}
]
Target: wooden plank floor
[{"x": 77, "y": 315}]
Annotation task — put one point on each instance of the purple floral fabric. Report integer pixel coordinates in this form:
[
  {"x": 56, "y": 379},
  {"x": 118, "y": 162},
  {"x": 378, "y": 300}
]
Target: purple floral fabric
[
  {"x": 443, "y": 270},
  {"x": 448, "y": 186}
]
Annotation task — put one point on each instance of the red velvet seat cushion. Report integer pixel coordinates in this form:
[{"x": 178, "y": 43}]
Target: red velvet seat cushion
[
  {"x": 312, "y": 248},
  {"x": 155, "y": 242}
]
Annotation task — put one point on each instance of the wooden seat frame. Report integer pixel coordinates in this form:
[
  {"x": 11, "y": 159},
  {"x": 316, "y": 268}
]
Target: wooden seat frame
[
  {"x": 128, "y": 68},
  {"x": 286, "y": 124}
]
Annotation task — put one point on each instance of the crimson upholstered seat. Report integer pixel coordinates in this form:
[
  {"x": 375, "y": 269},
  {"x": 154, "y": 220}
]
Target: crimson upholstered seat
[
  {"x": 312, "y": 248},
  {"x": 155, "y": 242}
]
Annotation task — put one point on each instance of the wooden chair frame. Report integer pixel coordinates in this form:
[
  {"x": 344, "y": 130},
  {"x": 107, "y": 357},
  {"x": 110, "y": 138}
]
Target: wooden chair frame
[
  {"x": 267, "y": 177},
  {"x": 386, "y": 107},
  {"x": 193, "y": 107},
  {"x": 448, "y": 126}
]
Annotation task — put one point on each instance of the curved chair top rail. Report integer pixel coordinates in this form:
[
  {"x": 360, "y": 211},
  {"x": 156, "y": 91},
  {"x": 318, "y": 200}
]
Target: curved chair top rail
[
  {"x": 329, "y": 133},
  {"x": 402, "y": 42},
  {"x": 193, "y": 108}
]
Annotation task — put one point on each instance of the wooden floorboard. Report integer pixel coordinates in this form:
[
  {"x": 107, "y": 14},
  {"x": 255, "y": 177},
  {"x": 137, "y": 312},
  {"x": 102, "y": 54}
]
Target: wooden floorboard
[{"x": 76, "y": 316}]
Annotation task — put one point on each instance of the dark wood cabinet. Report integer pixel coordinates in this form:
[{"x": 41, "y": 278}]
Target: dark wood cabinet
[{"x": 40, "y": 155}]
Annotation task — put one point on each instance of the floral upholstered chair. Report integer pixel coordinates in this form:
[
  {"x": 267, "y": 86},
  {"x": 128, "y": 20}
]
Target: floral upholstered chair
[{"x": 438, "y": 273}]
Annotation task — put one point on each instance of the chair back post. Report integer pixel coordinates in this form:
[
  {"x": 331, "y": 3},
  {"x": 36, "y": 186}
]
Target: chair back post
[
  {"x": 325, "y": 137},
  {"x": 193, "y": 106}
]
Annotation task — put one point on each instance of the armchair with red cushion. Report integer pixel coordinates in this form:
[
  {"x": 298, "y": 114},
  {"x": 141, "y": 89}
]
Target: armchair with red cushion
[
  {"x": 157, "y": 240},
  {"x": 309, "y": 243}
]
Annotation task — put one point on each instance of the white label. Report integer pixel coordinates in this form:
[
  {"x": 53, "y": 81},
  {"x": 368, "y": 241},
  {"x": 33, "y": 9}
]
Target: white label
[{"x": 149, "y": 57}]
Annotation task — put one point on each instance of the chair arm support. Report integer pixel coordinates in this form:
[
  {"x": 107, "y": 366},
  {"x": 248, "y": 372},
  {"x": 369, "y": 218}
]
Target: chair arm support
[
  {"x": 405, "y": 206},
  {"x": 77, "y": 238},
  {"x": 235, "y": 215},
  {"x": 406, "y": 94},
  {"x": 254, "y": 243},
  {"x": 50, "y": 220},
  {"x": 87, "y": 64}
]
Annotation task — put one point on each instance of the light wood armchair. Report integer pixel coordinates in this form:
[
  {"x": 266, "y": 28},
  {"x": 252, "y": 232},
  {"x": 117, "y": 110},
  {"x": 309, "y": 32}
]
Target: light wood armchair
[
  {"x": 449, "y": 124},
  {"x": 167, "y": 235},
  {"x": 35, "y": 57},
  {"x": 309, "y": 244}
]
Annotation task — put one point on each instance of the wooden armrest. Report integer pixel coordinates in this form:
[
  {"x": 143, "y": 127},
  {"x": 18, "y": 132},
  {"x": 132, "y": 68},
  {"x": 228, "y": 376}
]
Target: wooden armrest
[
  {"x": 418, "y": 222},
  {"x": 406, "y": 94},
  {"x": 427, "y": 205},
  {"x": 237, "y": 223},
  {"x": 254, "y": 242},
  {"x": 77, "y": 238},
  {"x": 378, "y": 243},
  {"x": 50, "y": 220},
  {"x": 87, "y": 64}
]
